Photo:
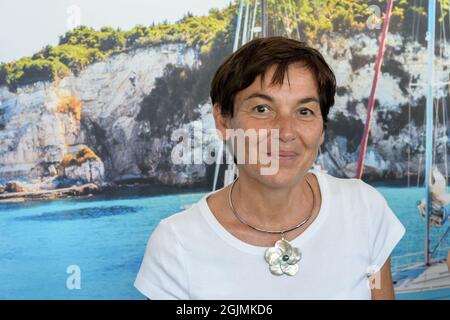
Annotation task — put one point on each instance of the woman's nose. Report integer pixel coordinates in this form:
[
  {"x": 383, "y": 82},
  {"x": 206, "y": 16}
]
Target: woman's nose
[{"x": 285, "y": 126}]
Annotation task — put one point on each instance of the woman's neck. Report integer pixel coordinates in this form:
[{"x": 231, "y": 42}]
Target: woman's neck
[{"x": 270, "y": 207}]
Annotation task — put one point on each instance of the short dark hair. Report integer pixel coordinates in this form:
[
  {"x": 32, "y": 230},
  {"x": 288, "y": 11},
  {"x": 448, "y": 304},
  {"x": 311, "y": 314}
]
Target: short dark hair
[{"x": 254, "y": 58}]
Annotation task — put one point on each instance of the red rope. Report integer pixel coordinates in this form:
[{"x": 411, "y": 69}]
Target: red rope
[{"x": 365, "y": 138}]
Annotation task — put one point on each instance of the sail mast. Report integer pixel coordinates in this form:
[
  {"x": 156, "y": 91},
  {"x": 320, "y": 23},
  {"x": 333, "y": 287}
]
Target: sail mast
[
  {"x": 238, "y": 26},
  {"x": 247, "y": 13},
  {"x": 365, "y": 138},
  {"x": 429, "y": 123},
  {"x": 255, "y": 10},
  {"x": 263, "y": 19}
]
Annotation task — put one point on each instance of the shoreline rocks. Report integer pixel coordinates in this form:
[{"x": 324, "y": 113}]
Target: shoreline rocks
[
  {"x": 15, "y": 186},
  {"x": 88, "y": 189}
]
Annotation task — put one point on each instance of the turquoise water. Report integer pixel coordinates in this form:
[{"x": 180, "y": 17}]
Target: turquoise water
[{"x": 106, "y": 239}]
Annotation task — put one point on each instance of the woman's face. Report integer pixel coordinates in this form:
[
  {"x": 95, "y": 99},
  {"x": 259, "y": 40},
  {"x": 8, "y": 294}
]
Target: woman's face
[{"x": 293, "y": 109}]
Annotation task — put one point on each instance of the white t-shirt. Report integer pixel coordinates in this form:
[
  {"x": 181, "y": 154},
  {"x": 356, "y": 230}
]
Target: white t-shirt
[{"x": 190, "y": 255}]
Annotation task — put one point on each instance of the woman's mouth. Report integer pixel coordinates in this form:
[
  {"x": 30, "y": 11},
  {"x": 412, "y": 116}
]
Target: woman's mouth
[{"x": 284, "y": 155}]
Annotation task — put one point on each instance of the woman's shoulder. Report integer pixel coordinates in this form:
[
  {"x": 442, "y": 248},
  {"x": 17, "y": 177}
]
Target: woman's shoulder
[
  {"x": 184, "y": 225},
  {"x": 187, "y": 217},
  {"x": 352, "y": 187},
  {"x": 339, "y": 183},
  {"x": 360, "y": 203}
]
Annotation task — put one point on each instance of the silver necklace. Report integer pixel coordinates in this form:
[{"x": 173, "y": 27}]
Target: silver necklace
[{"x": 282, "y": 258}]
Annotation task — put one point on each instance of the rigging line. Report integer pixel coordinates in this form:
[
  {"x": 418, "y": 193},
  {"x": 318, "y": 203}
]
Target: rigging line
[
  {"x": 409, "y": 132},
  {"x": 407, "y": 170},
  {"x": 278, "y": 22},
  {"x": 419, "y": 170},
  {"x": 446, "y": 52},
  {"x": 444, "y": 49},
  {"x": 419, "y": 22},
  {"x": 270, "y": 26},
  {"x": 263, "y": 19},
  {"x": 244, "y": 32},
  {"x": 436, "y": 121},
  {"x": 440, "y": 241},
  {"x": 436, "y": 124},
  {"x": 422, "y": 155},
  {"x": 249, "y": 27},
  {"x": 294, "y": 10},
  {"x": 418, "y": 16},
  {"x": 238, "y": 27},
  {"x": 443, "y": 44},
  {"x": 414, "y": 18},
  {"x": 254, "y": 19},
  {"x": 286, "y": 26},
  {"x": 445, "y": 121},
  {"x": 273, "y": 21},
  {"x": 440, "y": 35}
]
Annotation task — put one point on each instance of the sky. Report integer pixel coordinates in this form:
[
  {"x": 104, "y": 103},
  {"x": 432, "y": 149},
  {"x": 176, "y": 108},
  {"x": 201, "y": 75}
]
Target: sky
[{"x": 26, "y": 25}]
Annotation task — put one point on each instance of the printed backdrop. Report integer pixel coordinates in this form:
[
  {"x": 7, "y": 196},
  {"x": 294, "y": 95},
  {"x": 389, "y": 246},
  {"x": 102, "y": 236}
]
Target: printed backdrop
[{"x": 87, "y": 124}]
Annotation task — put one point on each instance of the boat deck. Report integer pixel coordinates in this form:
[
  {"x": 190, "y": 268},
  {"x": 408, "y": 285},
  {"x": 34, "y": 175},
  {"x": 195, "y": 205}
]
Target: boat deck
[{"x": 423, "y": 282}]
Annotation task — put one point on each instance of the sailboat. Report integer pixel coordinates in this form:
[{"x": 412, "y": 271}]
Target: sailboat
[{"x": 430, "y": 279}]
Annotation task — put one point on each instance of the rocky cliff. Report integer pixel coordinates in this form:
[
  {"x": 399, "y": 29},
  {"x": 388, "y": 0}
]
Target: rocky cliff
[
  {"x": 110, "y": 124},
  {"x": 44, "y": 123}
]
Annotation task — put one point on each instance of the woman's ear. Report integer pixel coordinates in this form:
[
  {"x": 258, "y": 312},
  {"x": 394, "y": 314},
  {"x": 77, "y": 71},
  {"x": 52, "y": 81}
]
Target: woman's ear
[{"x": 222, "y": 122}]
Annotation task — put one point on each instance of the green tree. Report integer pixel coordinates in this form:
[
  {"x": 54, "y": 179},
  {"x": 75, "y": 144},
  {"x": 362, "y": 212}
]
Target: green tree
[{"x": 4, "y": 74}]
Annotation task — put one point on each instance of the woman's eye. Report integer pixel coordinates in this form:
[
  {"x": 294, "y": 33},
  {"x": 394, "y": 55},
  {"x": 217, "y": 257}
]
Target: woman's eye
[
  {"x": 261, "y": 108},
  {"x": 306, "y": 112}
]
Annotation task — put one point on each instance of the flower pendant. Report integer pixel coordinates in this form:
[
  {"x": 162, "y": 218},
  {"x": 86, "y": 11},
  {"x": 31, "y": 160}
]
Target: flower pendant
[{"x": 283, "y": 258}]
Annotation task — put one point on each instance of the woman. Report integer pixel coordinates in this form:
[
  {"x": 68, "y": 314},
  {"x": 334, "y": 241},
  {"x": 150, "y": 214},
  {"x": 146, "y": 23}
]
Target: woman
[{"x": 296, "y": 233}]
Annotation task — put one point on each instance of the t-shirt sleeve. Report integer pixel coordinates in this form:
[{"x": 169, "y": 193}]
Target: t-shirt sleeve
[
  {"x": 385, "y": 230},
  {"x": 162, "y": 275}
]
